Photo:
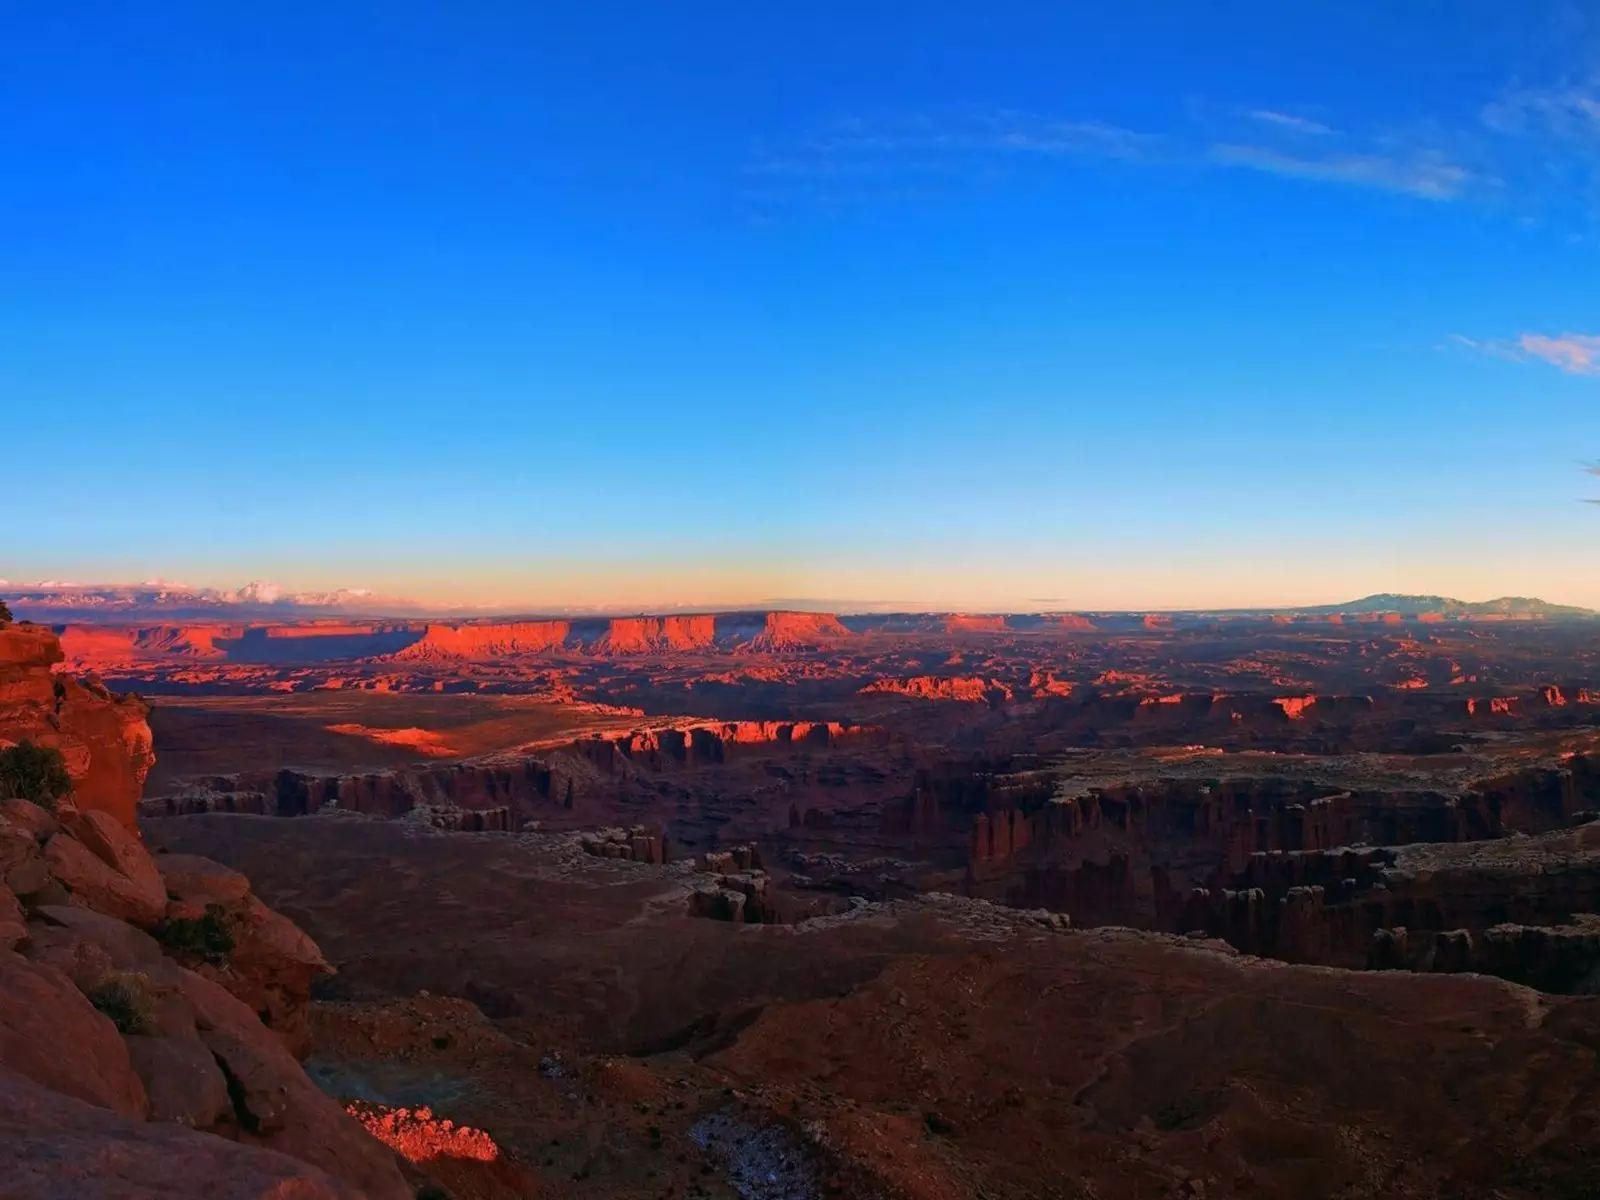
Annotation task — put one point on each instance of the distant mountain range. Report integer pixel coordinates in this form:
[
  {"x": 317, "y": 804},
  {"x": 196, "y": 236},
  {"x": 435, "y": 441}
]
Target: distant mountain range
[
  {"x": 53, "y": 601},
  {"x": 1412, "y": 606},
  {"x": 257, "y": 601}
]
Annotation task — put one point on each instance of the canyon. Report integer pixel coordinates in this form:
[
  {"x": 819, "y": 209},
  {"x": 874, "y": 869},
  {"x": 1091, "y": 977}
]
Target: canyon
[{"x": 782, "y": 904}]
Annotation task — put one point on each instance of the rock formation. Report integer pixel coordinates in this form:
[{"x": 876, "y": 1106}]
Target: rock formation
[
  {"x": 147, "y": 1005},
  {"x": 134, "y": 989},
  {"x": 501, "y": 791},
  {"x": 782, "y": 631},
  {"x": 969, "y": 688},
  {"x": 975, "y": 623},
  {"x": 487, "y": 640},
  {"x": 637, "y": 844},
  {"x": 657, "y": 635},
  {"x": 767, "y": 632},
  {"x": 104, "y": 739}
]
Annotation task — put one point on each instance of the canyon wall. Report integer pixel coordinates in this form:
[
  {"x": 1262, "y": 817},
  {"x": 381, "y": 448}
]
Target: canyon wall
[
  {"x": 1494, "y": 877},
  {"x": 1519, "y": 908},
  {"x": 500, "y": 791}
]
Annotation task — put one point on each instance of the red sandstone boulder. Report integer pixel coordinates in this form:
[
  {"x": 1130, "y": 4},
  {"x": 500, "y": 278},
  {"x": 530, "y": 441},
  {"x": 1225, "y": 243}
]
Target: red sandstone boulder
[
  {"x": 272, "y": 962},
  {"x": 127, "y": 948},
  {"x": 200, "y": 881},
  {"x": 12, "y": 927},
  {"x": 279, "y": 1105},
  {"x": 119, "y": 848},
  {"x": 22, "y": 866},
  {"x": 60, "y": 1148},
  {"x": 182, "y": 1079},
  {"x": 95, "y": 884},
  {"x": 51, "y": 1034},
  {"x": 85, "y": 963},
  {"x": 29, "y": 818},
  {"x": 271, "y": 969}
]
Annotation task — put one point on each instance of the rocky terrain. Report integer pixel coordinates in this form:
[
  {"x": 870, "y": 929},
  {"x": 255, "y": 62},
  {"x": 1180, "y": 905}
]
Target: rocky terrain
[
  {"x": 152, "y": 1010},
  {"x": 774, "y": 904},
  {"x": 104, "y": 739}
]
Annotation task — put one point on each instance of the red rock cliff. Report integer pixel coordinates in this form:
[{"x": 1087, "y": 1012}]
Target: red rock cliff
[
  {"x": 757, "y": 631},
  {"x": 1073, "y": 621},
  {"x": 798, "y": 631},
  {"x": 641, "y": 635},
  {"x": 498, "y": 639},
  {"x": 104, "y": 738},
  {"x": 89, "y": 646},
  {"x": 975, "y": 623}
]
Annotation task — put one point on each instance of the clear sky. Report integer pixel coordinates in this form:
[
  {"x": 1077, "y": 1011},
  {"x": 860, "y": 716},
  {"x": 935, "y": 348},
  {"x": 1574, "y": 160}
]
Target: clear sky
[{"x": 1099, "y": 304}]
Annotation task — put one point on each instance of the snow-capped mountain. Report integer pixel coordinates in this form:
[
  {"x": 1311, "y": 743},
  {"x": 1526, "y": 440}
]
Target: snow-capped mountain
[{"x": 54, "y": 600}]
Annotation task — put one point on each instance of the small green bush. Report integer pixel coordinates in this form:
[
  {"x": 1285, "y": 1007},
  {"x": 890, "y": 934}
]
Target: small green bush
[
  {"x": 208, "y": 938},
  {"x": 124, "y": 996},
  {"x": 29, "y": 771}
]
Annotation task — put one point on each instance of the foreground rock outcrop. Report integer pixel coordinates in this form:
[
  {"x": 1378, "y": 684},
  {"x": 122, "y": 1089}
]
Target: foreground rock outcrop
[
  {"x": 151, "y": 1010},
  {"x": 104, "y": 739},
  {"x": 55, "y": 1147},
  {"x": 157, "y": 991}
]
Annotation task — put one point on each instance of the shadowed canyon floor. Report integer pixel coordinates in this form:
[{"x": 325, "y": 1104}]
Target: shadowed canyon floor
[{"x": 782, "y": 905}]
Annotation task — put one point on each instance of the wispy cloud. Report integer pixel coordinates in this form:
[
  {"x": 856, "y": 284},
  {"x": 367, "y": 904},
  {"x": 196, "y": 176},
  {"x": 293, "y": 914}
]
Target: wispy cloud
[
  {"x": 871, "y": 154},
  {"x": 1494, "y": 347},
  {"x": 1283, "y": 120},
  {"x": 907, "y": 158},
  {"x": 1548, "y": 140},
  {"x": 1570, "y": 110},
  {"x": 1426, "y": 174},
  {"x": 1532, "y": 151},
  {"x": 1574, "y": 353},
  {"x": 862, "y": 146}
]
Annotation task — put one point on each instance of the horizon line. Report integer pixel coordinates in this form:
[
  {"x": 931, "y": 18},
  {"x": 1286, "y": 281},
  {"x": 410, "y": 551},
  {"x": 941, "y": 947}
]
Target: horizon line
[{"x": 246, "y": 602}]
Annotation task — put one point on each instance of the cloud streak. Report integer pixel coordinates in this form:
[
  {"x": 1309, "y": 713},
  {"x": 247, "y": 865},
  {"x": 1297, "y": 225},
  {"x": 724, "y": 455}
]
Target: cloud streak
[
  {"x": 1426, "y": 175},
  {"x": 870, "y": 153},
  {"x": 1570, "y": 111},
  {"x": 926, "y": 143},
  {"x": 1532, "y": 151},
  {"x": 1283, "y": 120},
  {"x": 1573, "y": 353}
]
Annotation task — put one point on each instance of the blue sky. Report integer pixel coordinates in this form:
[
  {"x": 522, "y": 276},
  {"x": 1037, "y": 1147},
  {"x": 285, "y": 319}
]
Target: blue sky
[{"x": 1138, "y": 304}]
